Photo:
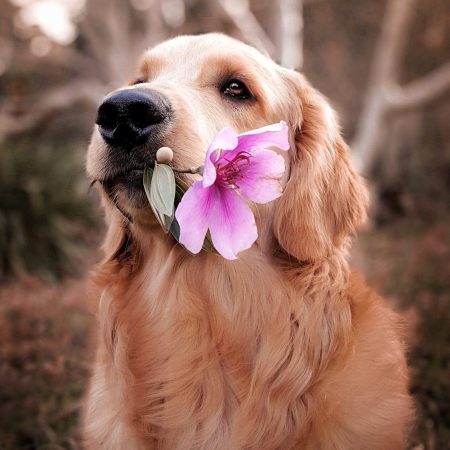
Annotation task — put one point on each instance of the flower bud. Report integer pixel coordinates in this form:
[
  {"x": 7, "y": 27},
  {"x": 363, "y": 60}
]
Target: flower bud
[{"x": 164, "y": 155}]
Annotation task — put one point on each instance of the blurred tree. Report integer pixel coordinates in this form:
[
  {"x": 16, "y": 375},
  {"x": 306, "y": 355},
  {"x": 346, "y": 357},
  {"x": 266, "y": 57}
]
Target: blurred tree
[{"x": 385, "y": 95}]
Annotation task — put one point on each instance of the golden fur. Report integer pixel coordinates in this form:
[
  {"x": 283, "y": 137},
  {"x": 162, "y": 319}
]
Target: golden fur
[{"x": 284, "y": 347}]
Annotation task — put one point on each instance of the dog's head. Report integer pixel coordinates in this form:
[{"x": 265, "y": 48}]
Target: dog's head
[{"x": 185, "y": 91}]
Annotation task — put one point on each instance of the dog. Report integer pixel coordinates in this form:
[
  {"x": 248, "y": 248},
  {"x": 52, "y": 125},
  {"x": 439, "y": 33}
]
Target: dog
[{"x": 283, "y": 348}]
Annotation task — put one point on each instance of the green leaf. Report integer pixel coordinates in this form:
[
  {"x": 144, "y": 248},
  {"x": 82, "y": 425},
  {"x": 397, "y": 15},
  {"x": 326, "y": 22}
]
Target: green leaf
[
  {"x": 152, "y": 193},
  {"x": 180, "y": 188},
  {"x": 162, "y": 189},
  {"x": 208, "y": 245},
  {"x": 175, "y": 230}
]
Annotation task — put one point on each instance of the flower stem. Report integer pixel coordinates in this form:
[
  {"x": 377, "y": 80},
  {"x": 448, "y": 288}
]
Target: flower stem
[{"x": 193, "y": 170}]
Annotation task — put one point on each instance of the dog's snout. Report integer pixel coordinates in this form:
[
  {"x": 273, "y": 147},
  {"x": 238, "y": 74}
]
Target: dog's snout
[{"x": 128, "y": 117}]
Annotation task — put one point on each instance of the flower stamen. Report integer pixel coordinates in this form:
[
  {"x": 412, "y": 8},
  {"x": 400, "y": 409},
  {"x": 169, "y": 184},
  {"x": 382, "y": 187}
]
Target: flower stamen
[{"x": 233, "y": 170}]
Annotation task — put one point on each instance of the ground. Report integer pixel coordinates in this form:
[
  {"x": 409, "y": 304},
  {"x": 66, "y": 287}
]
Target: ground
[{"x": 47, "y": 345}]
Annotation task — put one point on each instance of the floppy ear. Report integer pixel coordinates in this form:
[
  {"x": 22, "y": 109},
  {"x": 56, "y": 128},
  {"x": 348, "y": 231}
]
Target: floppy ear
[{"x": 324, "y": 199}]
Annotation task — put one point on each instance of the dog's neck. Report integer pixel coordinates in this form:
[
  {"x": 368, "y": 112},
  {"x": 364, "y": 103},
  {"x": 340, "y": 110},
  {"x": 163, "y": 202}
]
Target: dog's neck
[
  {"x": 144, "y": 236},
  {"x": 248, "y": 306},
  {"x": 145, "y": 241}
]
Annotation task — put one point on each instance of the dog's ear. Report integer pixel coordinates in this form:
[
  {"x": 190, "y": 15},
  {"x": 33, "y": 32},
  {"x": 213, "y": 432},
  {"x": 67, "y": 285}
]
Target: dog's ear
[{"x": 324, "y": 199}]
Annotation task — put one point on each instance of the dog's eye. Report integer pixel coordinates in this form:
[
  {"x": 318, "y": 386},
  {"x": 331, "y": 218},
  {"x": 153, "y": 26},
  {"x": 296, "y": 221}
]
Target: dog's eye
[{"x": 236, "y": 89}]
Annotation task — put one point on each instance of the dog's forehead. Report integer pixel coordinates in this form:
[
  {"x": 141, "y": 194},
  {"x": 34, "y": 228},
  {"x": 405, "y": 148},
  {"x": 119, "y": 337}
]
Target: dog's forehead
[{"x": 189, "y": 53}]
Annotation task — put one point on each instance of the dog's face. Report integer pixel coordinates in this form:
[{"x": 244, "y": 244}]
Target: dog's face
[
  {"x": 190, "y": 87},
  {"x": 185, "y": 91}
]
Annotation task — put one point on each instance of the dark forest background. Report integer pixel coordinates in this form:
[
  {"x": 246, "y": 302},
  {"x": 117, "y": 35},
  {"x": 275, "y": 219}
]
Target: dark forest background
[{"x": 384, "y": 65}]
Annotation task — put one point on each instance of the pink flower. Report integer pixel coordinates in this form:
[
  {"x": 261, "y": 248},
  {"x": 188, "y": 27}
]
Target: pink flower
[{"x": 237, "y": 168}]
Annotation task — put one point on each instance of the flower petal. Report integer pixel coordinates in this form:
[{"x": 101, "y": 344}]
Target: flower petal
[
  {"x": 261, "y": 183},
  {"x": 232, "y": 224},
  {"x": 193, "y": 214},
  {"x": 271, "y": 135},
  {"x": 225, "y": 139}
]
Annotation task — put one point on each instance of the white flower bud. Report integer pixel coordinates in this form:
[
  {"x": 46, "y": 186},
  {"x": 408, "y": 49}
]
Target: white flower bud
[{"x": 164, "y": 155}]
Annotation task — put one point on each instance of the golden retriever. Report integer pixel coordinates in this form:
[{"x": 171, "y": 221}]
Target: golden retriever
[{"x": 282, "y": 348}]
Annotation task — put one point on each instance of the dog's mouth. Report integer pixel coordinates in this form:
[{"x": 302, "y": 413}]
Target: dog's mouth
[
  {"x": 127, "y": 179},
  {"x": 125, "y": 189}
]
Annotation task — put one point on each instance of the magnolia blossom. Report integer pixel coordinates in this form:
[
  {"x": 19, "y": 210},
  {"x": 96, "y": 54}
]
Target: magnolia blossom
[{"x": 237, "y": 168}]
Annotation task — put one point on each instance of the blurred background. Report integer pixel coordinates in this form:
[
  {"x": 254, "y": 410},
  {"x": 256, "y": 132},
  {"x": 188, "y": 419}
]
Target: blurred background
[{"x": 385, "y": 67}]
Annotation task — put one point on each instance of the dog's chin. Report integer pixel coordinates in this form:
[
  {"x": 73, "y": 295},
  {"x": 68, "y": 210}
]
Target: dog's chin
[{"x": 126, "y": 191}]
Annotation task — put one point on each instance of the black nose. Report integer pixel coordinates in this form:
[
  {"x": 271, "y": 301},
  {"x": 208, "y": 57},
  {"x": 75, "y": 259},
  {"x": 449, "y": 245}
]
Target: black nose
[{"x": 128, "y": 117}]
